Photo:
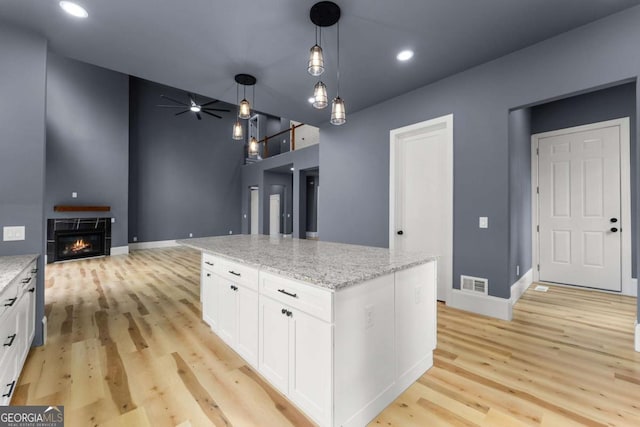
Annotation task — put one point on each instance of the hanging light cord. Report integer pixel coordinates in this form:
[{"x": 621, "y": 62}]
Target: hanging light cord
[
  {"x": 338, "y": 85},
  {"x": 238, "y": 97}
]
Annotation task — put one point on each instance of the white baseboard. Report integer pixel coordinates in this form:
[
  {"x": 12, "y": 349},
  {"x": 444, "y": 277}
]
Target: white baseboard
[
  {"x": 630, "y": 287},
  {"x": 487, "y": 305},
  {"x": 521, "y": 286},
  {"x": 637, "y": 336},
  {"x": 119, "y": 250},
  {"x": 153, "y": 245}
]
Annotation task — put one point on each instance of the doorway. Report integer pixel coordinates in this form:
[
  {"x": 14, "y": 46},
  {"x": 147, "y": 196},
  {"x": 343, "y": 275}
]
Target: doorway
[
  {"x": 254, "y": 202},
  {"x": 582, "y": 205},
  {"x": 274, "y": 215},
  {"x": 421, "y": 193}
]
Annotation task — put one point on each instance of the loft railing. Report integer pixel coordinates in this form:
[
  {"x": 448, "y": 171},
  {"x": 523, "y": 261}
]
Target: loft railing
[{"x": 264, "y": 142}]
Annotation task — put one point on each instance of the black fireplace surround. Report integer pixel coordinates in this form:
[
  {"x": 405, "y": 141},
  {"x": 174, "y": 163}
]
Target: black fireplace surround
[{"x": 74, "y": 238}]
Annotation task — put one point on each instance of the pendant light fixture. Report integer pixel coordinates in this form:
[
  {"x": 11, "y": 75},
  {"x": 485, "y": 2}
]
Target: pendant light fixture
[
  {"x": 253, "y": 146},
  {"x": 244, "y": 108},
  {"x": 338, "y": 112},
  {"x": 316, "y": 58},
  {"x": 325, "y": 14}
]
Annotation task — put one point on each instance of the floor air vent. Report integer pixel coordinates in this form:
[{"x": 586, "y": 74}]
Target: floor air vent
[{"x": 474, "y": 284}]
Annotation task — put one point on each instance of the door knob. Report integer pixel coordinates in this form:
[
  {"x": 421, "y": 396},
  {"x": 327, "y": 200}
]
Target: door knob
[
  {"x": 614, "y": 230},
  {"x": 400, "y": 233},
  {"x": 614, "y": 220}
]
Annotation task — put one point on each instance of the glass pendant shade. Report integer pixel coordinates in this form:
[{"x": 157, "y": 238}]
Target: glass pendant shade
[
  {"x": 237, "y": 130},
  {"x": 253, "y": 146},
  {"x": 338, "y": 113},
  {"x": 316, "y": 61},
  {"x": 321, "y": 100},
  {"x": 244, "y": 111}
]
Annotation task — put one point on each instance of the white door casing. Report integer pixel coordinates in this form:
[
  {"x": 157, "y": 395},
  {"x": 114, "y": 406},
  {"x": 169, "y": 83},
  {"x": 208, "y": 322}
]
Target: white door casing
[
  {"x": 274, "y": 215},
  {"x": 254, "y": 210},
  {"x": 421, "y": 193},
  {"x": 582, "y": 175}
]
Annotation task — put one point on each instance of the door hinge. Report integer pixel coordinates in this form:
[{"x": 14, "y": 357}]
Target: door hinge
[
  {"x": 538, "y": 228},
  {"x": 538, "y": 267},
  {"x": 537, "y": 151},
  {"x": 538, "y": 190}
]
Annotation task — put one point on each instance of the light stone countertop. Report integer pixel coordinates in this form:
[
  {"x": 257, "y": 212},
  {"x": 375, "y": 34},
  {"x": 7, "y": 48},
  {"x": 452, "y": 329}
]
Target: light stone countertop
[
  {"x": 326, "y": 264},
  {"x": 11, "y": 266}
]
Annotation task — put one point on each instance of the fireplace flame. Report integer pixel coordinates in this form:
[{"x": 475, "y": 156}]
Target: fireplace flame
[{"x": 79, "y": 245}]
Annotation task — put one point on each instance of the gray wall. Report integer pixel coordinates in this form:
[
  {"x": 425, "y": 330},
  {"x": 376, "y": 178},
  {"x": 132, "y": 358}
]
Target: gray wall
[
  {"x": 606, "y": 104},
  {"x": 184, "y": 174},
  {"x": 22, "y": 147},
  {"x": 519, "y": 192},
  {"x": 354, "y": 203},
  {"x": 254, "y": 175},
  {"x": 87, "y": 141}
]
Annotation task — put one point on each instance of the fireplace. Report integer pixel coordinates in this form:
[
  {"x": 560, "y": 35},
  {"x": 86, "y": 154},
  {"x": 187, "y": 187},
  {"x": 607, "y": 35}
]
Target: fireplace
[{"x": 74, "y": 238}]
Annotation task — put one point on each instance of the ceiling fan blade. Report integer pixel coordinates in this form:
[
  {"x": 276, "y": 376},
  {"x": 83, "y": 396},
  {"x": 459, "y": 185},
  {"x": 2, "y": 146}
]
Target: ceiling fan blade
[
  {"x": 173, "y": 100},
  {"x": 171, "y": 106},
  {"x": 216, "y": 109},
  {"x": 211, "y": 114},
  {"x": 198, "y": 116},
  {"x": 181, "y": 112},
  {"x": 209, "y": 103}
]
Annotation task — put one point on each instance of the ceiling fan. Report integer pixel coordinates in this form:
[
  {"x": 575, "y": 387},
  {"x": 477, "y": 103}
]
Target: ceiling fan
[{"x": 193, "y": 106}]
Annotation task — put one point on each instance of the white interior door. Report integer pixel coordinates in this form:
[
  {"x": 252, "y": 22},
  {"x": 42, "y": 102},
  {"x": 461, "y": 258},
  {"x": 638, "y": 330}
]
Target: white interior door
[
  {"x": 254, "y": 210},
  {"x": 421, "y": 190},
  {"x": 274, "y": 214},
  {"x": 579, "y": 205}
]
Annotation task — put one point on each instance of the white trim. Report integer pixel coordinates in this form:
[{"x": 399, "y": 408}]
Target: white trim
[
  {"x": 443, "y": 122},
  {"x": 119, "y": 250},
  {"x": 152, "y": 245},
  {"x": 487, "y": 305},
  {"x": 521, "y": 286},
  {"x": 637, "y": 336},
  {"x": 629, "y": 284}
]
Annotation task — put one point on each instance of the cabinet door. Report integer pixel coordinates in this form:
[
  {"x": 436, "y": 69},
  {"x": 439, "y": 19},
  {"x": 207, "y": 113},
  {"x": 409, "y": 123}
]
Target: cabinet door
[
  {"x": 30, "y": 294},
  {"x": 210, "y": 296},
  {"x": 311, "y": 366},
  {"x": 273, "y": 362},
  {"x": 22, "y": 313},
  {"x": 228, "y": 313},
  {"x": 247, "y": 342}
]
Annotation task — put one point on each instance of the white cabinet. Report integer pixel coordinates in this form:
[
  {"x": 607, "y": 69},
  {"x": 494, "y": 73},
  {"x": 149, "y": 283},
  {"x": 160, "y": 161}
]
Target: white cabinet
[
  {"x": 274, "y": 343},
  {"x": 209, "y": 295},
  {"x": 17, "y": 328},
  {"x": 247, "y": 331}
]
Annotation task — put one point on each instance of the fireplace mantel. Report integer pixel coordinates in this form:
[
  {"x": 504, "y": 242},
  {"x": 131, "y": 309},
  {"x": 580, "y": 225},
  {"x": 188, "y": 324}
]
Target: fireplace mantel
[{"x": 81, "y": 208}]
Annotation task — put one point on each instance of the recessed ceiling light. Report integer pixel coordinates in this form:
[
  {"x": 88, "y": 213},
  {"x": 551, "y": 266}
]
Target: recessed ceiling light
[
  {"x": 311, "y": 100},
  {"x": 74, "y": 9},
  {"x": 405, "y": 55},
  {"x": 195, "y": 108},
  {"x": 293, "y": 169}
]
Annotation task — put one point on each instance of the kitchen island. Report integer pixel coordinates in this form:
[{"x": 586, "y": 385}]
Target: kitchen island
[{"x": 341, "y": 330}]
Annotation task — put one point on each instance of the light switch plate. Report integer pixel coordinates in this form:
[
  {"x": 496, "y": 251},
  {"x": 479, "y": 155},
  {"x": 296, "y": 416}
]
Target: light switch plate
[
  {"x": 13, "y": 233},
  {"x": 74, "y": 195},
  {"x": 483, "y": 222}
]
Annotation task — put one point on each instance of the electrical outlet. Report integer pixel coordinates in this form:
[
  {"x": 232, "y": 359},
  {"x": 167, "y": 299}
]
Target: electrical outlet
[
  {"x": 517, "y": 270},
  {"x": 230, "y": 231},
  {"x": 190, "y": 234},
  {"x": 135, "y": 238},
  {"x": 113, "y": 220},
  {"x": 483, "y": 222},
  {"x": 10, "y": 234},
  {"x": 245, "y": 216},
  {"x": 74, "y": 194},
  {"x": 368, "y": 317}
]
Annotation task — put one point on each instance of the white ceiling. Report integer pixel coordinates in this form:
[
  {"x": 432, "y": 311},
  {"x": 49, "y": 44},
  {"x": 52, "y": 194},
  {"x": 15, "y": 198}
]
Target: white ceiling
[{"x": 199, "y": 45}]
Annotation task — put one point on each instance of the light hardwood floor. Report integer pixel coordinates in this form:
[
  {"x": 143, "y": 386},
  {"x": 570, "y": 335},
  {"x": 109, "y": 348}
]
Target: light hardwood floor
[{"x": 127, "y": 347}]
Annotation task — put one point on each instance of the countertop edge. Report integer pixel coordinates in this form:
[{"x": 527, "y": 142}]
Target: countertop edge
[{"x": 28, "y": 259}]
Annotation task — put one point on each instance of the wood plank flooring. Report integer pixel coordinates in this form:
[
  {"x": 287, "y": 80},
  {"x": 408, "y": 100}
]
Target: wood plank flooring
[{"x": 127, "y": 347}]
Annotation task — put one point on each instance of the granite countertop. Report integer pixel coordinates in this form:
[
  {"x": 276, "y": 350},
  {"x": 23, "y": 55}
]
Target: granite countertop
[
  {"x": 326, "y": 264},
  {"x": 11, "y": 266}
]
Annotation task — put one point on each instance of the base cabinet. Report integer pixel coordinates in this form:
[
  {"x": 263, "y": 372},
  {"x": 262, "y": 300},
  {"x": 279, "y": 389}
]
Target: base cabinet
[{"x": 340, "y": 356}]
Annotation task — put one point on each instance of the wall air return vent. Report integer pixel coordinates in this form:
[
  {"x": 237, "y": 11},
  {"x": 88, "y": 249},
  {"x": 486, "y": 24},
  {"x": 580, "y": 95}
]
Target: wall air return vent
[{"x": 476, "y": 285}]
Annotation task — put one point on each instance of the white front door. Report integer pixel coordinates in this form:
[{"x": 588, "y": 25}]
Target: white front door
[
  {"x": 274, "y": 214},
  {"x": 579, "y": 208},
  {"x": 421, "y": 193},
  {"x": 254, "y": 210}
]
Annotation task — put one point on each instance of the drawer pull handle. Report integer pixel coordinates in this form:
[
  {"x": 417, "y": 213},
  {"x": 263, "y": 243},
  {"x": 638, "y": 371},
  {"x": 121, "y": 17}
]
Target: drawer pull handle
[
  {"x": 282, "y": 291},
  {"x": 234, "y": 273},
  {"x": 233, "y": 288},
  {"x": 10, "y": 343},
  {"x": 286, "y": 312},
  {"x": 209, "y": 263},
  {"x": 34, "y": 271},
  {"x": 32, "y": 290},
  {"x": 208, "y": 274},
  {"x": 11, "y": 302},
  {"x": 11, "y": 385},
  {"x": 26, "y": 280}
]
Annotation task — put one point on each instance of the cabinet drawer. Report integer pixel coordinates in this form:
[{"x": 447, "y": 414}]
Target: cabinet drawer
[
  {"x": 241, "y": 274},
  {"x": 212, "y": 263},
  {"x": 304, "y": 297},
  {"x": 27, "y": 279},
  {"x": 9, "y": 339}
]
